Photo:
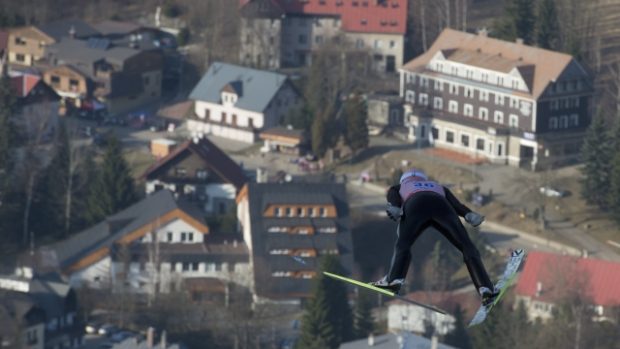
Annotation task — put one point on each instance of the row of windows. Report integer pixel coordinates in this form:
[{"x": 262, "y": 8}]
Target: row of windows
[
  {"x": 184, "y": 237},
  {"x": 468, "y": 109},
  {"x": 301, "y": 230},
  {"x": 300, "y": 212},
  {"x": 287, "y": 251},
  {"x": 471, "y": 74},
  {"x": 208, "y": 267},
  {"x": 464, "y": 140},
  {"x": 294, "y": 274},
  {"x": 564, "y": 103},
  {"x": 564, "y": 121},
  {"x": 468, "y": 92}
]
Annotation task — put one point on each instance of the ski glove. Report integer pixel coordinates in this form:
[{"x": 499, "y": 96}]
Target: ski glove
[
  {"x": 394, "y": 212},
  {"x": 473, "y": 218}
]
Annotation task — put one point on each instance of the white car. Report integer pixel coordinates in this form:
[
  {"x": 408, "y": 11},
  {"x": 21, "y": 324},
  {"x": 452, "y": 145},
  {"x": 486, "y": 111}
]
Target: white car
[{"x": 552, "y": 192}]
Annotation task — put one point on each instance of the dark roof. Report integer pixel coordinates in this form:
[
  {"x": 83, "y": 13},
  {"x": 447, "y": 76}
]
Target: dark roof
[
  {"x": 262, "y": 194},
  {"x": 61, "y": 29},
  {"x": 109, "y": 27},
  {"x": 258, "y": 87},
  {"x": 107, "y": 232},
  {"x": 213, "y": 157}
]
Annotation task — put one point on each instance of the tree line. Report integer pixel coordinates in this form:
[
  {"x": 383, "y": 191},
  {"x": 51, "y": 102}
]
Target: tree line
[{"x": 49, "y": 190}]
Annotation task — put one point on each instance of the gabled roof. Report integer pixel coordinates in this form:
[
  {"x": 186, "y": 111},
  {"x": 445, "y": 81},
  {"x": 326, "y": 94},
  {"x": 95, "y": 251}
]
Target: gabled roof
[
  {"x": 213, "y": 157},
  {"x": 599, "y": 279},
  {"x": 23, "y": 84},
  {"x": 260, "y": 195},
  {"x": 539, "y": 67},
  {"x": 115, "y": 227},
  {"x": 258, "y": 86},
  {"x": 60, "y": 29},
  {"x": 363, "y": 16}
]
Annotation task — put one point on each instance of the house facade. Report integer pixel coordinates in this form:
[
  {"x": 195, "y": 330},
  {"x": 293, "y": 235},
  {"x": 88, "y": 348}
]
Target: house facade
[
  {"x": 287, "y": 228},
  {"x": 548, "y": 278},
  {"x": 201, "y": 172},
  {"x": 385, "y": 110},
  {"x": 155, "y": 245},
  {"x": 236, "y": 102},
  {"x": 38, "y": 312},
  {"x": 278, "y": 34},
  {"x": 37, "y": 106},
  {"x": 97, "y": 70},
  {"x": 507, "y": 102}
]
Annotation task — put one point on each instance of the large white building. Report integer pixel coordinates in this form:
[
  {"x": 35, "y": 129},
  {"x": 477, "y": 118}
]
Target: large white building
[
  {"x": 503, "y": 101},
  {"x": 152, "y": 246},
  {"x": 236, "y": 102}
]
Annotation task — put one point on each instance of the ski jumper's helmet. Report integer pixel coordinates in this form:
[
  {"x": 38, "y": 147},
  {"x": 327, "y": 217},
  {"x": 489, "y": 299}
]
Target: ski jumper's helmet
[{"x": 414, "y": 172}]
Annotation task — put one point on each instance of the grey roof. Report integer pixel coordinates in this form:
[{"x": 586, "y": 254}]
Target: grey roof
[
  {"x": 262, "y": 194},
  {"x": 82, "y": 55},
  {"x": 134, "y": 343},
  {"x": 107, "y": 232},
  {"x": 392, "y": 341},
  {"x": 258, "y": 86},
  {"x": 60, "y": 29}
]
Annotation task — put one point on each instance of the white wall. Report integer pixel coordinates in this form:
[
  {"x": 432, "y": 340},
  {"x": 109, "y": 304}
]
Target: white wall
[
  {"x": 198, "y": 127},
  {"x": 216, "y": 110},
  {"x": 411, "y": 318},
  {"x": 176, "y": 228},
  {"x": 100, "y": 270}
]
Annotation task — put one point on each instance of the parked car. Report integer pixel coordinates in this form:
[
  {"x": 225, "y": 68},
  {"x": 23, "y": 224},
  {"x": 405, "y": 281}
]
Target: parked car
[
  {"x": 92, "y": 328},
  {"x": 121, "y": 336},
  {"x": 553, "y": 192}
]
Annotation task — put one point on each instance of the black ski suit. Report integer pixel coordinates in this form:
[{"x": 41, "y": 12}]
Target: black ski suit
[{"x": 422, "y": 210}]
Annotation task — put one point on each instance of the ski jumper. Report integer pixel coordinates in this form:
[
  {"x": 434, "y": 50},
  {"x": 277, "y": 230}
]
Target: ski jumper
[{"x": 424, "y": 204}]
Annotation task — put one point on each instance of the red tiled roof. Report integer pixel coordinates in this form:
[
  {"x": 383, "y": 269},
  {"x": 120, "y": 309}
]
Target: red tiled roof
[
  {"x": 363, "y": 16},
  {"x": 599, "y": 279},
  {"x": 221, "y": 163},
  {"x": 23, "y": 84}
]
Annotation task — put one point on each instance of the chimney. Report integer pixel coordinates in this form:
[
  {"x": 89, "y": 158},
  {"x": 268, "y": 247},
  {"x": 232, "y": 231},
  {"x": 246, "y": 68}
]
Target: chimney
[
  {"x": 371, "y": 340},
  {"x": 519, "y": 41},
  {"x": 163, "y": 344},
  {"x": 150, "y": 337},
  {"x": 538, "y": 288}
]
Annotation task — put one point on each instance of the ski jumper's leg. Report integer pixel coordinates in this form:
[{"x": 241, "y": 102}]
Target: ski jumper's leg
[
  {"x": 449, "y": 225},
  {"x": 415, "y": 219}
]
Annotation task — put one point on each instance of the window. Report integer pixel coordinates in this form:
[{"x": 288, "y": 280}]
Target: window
[
  {"x": 499, "y": 149},
  {"x": 574, "y": 120},
  {"x": 498, "y": 117},
  {"x": 300, "y": 212},
  {"x": 20, "y": 57},
  {"x": 392, "y": 43},
  {"x": 410, "y": 97},
  {"x": 278, "y": 212},
  {"x": 514, "y": 120},
  {"x": 302, "y": 39},
  {"x": 183, "y": 237},
  {"x": 555, "y": 105},
  {"x": 146, "y": 80},
  {"x": 453, "y": 107},
  {"x": 185, "y": 266},
  {"x": 449, "y": 136},
  {"x": 469, "y": 92},
  {"x": 73, "y": 82},
  {"x": 180, "y": 172},
  {"x": 19, "y": 41},
  {"x": 454, "y": 89},
  {"x": 190, "y": 237},
  {"x": 468, "y": 110},
  {"x": 359, "y": 43},
  {"x": 201, "y": 174},
  {"x": 318, "y": 39},
  {"x": 563, "y": 121},
  {"x": 500, "y": 81},
  {"x": 438, "y": 103},
  {"x": 208, "y": 113},
  {"x": 313, "y": 212},
  {"x": 169, "y": 236},
  {"x": 423, "y": 81},
  {"x": 514, "y": 103},
  {"x": 423, "y": 99},
  {"x": 469, "y": 73},
  {"x": 323, "y": 212},
  {"x": 438, "y": 85},
  {"x": 499, "y": 99},
  {"x": 289, "y": 212},
  {"x": 55, "y": 79},
  {"x": 484, "y": 95},
  {"x": 435, "y": 133},
  {"x": 485, "y": 77},
  {"x": 378, "y": 44},
  {"x": 195, "y": 266},
  {"x": 515, "y": 84},
  {"x": 483, "y": 113},
  {"x": 465, "y": 140},
  {"x": 553, "y": 122},
  {"x": 480, "y": 144},
  {"x": 410, "y": 78}
]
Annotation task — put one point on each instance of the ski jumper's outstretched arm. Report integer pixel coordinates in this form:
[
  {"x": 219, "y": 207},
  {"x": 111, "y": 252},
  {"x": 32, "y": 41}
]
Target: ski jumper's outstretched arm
[
  {"x": 393, "y": 196},
  {"x": 460, "y": 209}
]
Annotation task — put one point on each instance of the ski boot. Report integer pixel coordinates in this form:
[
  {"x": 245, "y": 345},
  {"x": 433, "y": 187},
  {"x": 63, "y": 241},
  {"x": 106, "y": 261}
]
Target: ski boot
[
  {"x": 487, "y": 295},
  {"x": 392, "y": 286}
]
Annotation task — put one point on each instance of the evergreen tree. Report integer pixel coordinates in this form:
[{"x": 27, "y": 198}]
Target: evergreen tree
[
  {"x": 458, "y": 337},
  {"x": 613, "y": 195},
  {"x": 363, "y": 320},
  {"x": 7, "y": 107},
  {"x": 356, "y": 116},
  {"x": 327, "y": 318},
  {"x": 547, "y": 26},
  {"x": 113, "y": 189},
  {"x": 597, "y": 155},
  {"x": 519, "y": 20}
]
